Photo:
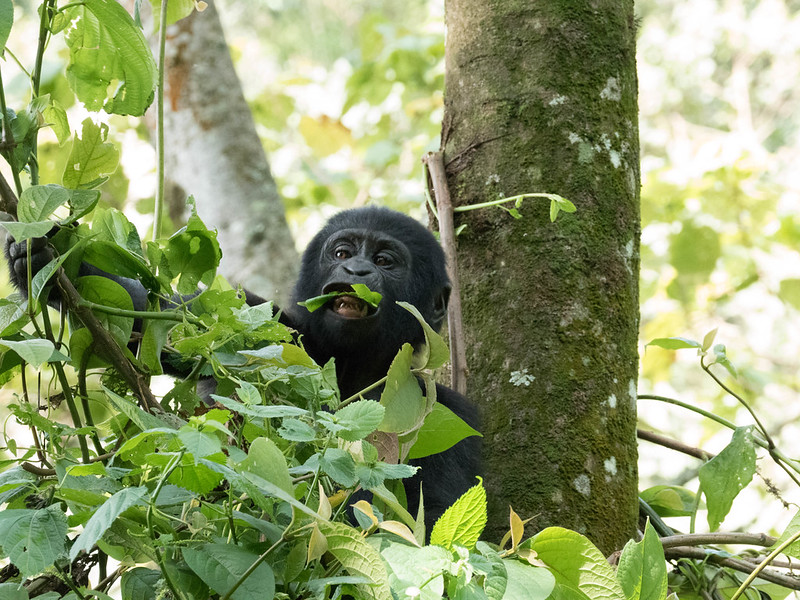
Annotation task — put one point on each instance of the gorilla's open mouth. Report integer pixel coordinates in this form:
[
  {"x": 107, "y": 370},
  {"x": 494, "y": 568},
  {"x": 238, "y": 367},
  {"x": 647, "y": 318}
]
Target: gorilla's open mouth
[{"x": 347, "y": 306}]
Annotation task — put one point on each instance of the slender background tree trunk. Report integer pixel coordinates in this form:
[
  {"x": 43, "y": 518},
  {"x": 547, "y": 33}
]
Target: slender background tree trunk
[
  {"x": 541, "y": 96},
  {"x": 214, "y": 154}
]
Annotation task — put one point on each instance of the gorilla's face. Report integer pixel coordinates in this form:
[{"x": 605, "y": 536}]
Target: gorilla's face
[
  {"x": 391, "y": 254},
  {"x": 373, "y": 258}
]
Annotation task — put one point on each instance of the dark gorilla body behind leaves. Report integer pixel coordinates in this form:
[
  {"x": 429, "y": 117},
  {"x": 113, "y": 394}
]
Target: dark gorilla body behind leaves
[{"x": 391, "y": 254}]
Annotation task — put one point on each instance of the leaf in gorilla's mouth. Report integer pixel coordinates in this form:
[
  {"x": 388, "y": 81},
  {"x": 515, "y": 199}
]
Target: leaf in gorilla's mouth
[{"x": 349, "y": 301}]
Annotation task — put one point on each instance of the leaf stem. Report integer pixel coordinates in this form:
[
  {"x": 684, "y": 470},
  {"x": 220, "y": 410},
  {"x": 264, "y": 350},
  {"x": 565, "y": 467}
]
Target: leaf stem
[
  {"x": 36, "y": 80},
  {"x": 176, "y": 460},
  {"x": 162, "y": 44},
  {"x": 66, "y": 390},
  {"x": 465, "y": 208},
  {"x": 140, "y": 314},
  {"x": 253, "y": 567}
]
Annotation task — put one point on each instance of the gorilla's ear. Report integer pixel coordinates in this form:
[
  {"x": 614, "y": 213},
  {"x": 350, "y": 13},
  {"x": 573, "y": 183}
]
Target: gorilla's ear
[{"x": 440, "y": 307}]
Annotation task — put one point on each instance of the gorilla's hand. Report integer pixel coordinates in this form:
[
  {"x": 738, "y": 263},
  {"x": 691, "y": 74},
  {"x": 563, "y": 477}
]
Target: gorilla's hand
[{"x": 17, "y": 257}]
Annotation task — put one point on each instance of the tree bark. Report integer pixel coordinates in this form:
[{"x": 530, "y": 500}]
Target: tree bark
[
  {"x": 215, "y": 155},
  {"x": 541, "y": 97}
]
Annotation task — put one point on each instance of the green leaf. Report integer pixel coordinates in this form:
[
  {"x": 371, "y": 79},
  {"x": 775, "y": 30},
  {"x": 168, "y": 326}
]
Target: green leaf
[
  {"x": 33, "y": 539},
  {"x": 107, "y": 292},
  {"x": 441, "y": 430},
  {"x": 140, "y": 583},
  {"x": 267, "y": 461},
  {"x": 198, "y": 443},
  {"x": 526, "y": 582},
  {"x": 675, "y": 343},
  {"x": 38, "y": 202},
  {"x": 109, "y": 52},
  {"x": 669, "y": 500},
  {"x": 104, "y": 517},
  {"x": 727, "y": 474},
  {"x": 143, "y": 420},
  {"x": 42, "y": 278},
  {"x": 26, "y": 231},
  {"x": 192, "y": 254},
  {"x": 642, "y": 569},
  {"x": 359, "y": 419},
  {"x": 578, "y": 566},
  {"x": 56, "y": 117},
  {"x": 462, "y": 523},
  {"x": 357, "y": 556},
  {"x": 359, "y": 290},
  {"x": 435, "y": 353},
  {"x": 35, "y": 351},
  {"x": 176, "y": 10},
  {"x": 16, "y": 591},
  {"x": 294, "y": 430},
  {"x": 91, "y": 158},
  {"x": 264, "y": 412},
  {"x": 6, "y": 21},
  {"x": 414, "y": 567},
  {"x": 792, "y": 528},
  {"x": 402, "y": 397},
  {"x": 221, "y": 566}
]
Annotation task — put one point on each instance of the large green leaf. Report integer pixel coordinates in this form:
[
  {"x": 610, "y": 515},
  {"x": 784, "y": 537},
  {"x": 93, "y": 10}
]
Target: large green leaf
[
  {"x": 580, "y": 569},
  {"x": 414, "y": 567},
  {"x": 221, "y": 566},
  {"x": 33, "y": 539},
  {"x": 462, "y": 523},
  {"x": 526, "y": 582},
  {"x": 441, "y": 430},
  {"x": 35, "y": 351},
  {"x": 727, "y": 474},
  {"x": 355, "y": 421},
  {"x": 109, "y": 52},
  {"x": 642, "y": 570},
  {"x": 102, "y": 290},
  {"x": 402, "y": 397},
  {"x": 357, "y": 556},
  {"x": 266, "y": 460},
  {"x": 91, "y": 159},
  {"x": 192, "y": 254},
  {"x": 6, "y": 21},
  {"x": 38, "y": 202},
  {"x": 104, "y": 517}
]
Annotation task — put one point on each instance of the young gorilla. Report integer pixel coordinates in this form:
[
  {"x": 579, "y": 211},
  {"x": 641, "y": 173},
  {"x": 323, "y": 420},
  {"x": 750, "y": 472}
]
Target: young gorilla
[{"x": 392, "y": 254}]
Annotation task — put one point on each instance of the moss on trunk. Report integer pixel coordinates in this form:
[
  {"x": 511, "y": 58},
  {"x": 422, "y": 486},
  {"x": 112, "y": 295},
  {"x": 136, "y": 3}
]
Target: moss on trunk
[{"x": 541, "y": 96}]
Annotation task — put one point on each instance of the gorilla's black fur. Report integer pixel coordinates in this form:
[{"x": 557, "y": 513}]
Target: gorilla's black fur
[{"x": 396, "y": 256}]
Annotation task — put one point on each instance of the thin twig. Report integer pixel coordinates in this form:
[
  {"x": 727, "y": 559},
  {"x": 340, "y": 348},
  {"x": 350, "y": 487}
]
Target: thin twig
[
  {"x": 663, "y": 440},
  {"x": 455, "y": 328},
  {"x": 718, "y": 537},
  {"x": 736, "y": 564}
]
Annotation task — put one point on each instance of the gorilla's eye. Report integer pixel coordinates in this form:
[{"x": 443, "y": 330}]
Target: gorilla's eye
[
  {"x": 342, "y": 253},
  {"x": 382, "y": 260}
]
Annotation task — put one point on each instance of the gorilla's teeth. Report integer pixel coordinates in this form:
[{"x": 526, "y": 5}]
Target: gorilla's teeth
[{"x": 350, "y": 307}]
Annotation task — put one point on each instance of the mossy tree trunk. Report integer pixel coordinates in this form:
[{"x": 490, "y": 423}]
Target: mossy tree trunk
[{"x": 541, "y": 97}]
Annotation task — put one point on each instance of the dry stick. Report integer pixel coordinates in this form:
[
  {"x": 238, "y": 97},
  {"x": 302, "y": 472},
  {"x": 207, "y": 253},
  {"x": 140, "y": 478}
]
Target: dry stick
[
  {"x": 444, "y": 206},
  {"x": 663, "y": 440}
]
